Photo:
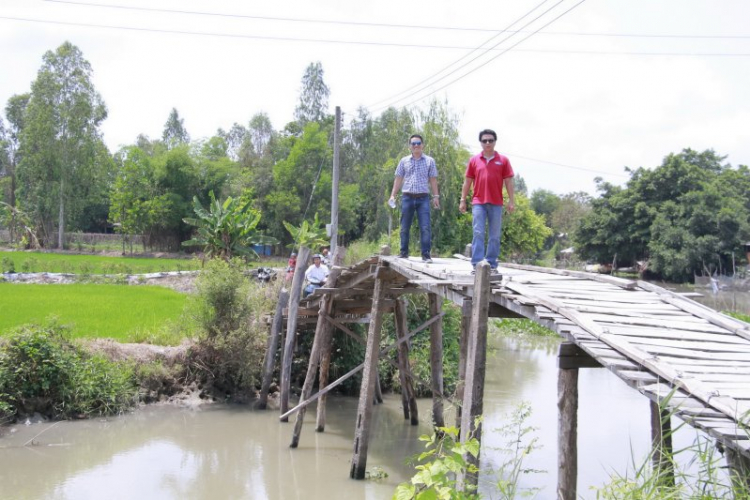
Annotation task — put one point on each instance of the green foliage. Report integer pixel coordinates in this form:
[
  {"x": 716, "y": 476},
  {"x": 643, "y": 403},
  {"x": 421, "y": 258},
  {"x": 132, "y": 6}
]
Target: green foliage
[
  {"x": 42, "y": 371},
  {"x": 445, "y": 457},
  {"x": 313, "y": 101},
  {"x": 310, "y": 235},
  {"x": 524, "y": 231},
  {"x": 686, "y": 216},
  {"x": 226, "y": 229}
]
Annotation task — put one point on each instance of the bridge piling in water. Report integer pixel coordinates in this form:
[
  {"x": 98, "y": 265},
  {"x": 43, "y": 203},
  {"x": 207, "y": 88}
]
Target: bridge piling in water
[{"x": 476, "y": 364}]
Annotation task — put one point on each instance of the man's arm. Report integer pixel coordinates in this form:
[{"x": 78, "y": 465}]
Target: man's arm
[
  {"x": 464, "y": 193},
  {"x": 435, "y": 194},
  {"x": 511, "y": 205},
  {"x": 397, "y": 183}
]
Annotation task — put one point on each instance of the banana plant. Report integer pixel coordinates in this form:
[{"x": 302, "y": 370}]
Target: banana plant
[
  {"x": 226, "y": 229},
  {"x": 310, "y": 235}
]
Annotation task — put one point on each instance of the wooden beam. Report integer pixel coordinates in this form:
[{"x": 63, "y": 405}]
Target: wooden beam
[
  {"x": 567, "y": 433},
  {"x": 408, "y": 395},
  {"x": 570, "y": 356},
  {"x": 291, "y": 327},
  {"x": 466, "y": 308},
  {"x": 367, "y": 390},
  {"x": 661, "y": 443},
  {"x": 273, "y": 344},
  {"x": 315, "y": 353},
  {"x": 476, "y": 360},
  {"x": 612, "y": 280},
  {"x": 436, "y": 360}
]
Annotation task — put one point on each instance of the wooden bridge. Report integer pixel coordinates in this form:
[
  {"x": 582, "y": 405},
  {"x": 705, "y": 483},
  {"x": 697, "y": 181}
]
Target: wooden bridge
[{"x": 689, "y": 360}]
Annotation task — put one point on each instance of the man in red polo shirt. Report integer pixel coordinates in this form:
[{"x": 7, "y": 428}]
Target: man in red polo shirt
[{"x": 488, "y": 172}]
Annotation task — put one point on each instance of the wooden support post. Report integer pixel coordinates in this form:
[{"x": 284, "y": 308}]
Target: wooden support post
[
  {"x": 326, "y": 305},
  {"x": 661, "y": 444},
  {"x": 463, "y": 351},
  {"x": 326, "y": 346},
  {"x": 567, "y": 431},
  {"x": 385, "y": 250},
  {"x": 436, "y": 360},
  {"x": 367, "y": 390},
  {"x": 378, "y": 390},
  {"x": 291, "y": 328},
  {"x": 273, "y": 344},
  {"x": 476, "y": 361},
  {"x": 408, "y": 396},
  {"x": 739, "y": 471}
]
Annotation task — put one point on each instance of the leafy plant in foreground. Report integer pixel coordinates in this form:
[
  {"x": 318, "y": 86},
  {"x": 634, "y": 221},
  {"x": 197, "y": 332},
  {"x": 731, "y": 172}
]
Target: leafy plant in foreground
[{"x": 444, "y": 460}]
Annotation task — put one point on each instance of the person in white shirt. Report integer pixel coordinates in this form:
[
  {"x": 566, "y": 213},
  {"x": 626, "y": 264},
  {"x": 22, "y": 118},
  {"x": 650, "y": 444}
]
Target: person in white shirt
[
  {"x": 315, "y": 275},
  {"x": 325, "y": 257}
]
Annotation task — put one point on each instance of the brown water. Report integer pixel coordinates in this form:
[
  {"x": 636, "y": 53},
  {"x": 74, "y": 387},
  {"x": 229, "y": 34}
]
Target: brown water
[{"x": 232, "y": 452}]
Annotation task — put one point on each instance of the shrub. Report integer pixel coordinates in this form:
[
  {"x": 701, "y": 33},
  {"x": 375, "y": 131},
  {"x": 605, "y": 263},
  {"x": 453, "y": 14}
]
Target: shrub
[
  {"x": 8, "y": 266},
  {"x": 42, "y": 371},
  {"x": 228, "y": 311}
]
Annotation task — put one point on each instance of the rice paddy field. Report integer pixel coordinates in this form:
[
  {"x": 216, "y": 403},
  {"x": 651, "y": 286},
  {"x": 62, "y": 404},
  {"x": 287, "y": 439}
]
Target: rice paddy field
[
  {"x": 38, "y": 262},
  {"x": 120, "y": 312}
]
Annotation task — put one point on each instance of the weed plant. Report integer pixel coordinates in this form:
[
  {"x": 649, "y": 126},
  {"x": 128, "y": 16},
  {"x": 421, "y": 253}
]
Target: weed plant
[{"x": 123, "y": 313}]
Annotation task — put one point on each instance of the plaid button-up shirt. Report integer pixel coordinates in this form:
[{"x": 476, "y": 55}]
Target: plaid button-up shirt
[{"x": 416, "y": 173}]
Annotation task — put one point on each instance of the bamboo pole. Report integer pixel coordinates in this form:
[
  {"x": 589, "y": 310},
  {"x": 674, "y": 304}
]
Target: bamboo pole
[
  {"x": 466, "y": 307},
  {"x": 567, "y": 433}
]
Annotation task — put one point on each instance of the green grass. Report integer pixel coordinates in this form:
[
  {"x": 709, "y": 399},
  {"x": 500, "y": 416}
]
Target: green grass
[
  {"x": 37, "y": 262},
  {"x": 123, "y": 313}
]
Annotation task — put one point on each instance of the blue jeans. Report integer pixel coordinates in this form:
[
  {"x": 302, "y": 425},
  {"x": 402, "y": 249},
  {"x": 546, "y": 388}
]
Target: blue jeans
[
  {"x": 421, "y": 206},
  {"x": 493, "y": 216}
]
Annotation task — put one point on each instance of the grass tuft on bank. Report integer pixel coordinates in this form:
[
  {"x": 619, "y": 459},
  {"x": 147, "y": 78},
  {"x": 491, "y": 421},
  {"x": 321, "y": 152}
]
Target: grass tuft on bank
[{"x": 122, "y": 313}]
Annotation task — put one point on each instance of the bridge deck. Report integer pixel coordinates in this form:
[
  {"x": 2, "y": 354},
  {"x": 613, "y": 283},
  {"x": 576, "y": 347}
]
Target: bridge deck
[{"x": 671, "y": 349}]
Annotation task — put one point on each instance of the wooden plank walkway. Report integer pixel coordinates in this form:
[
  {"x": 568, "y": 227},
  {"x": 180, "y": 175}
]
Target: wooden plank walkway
[{"x": 673, "y": 350}]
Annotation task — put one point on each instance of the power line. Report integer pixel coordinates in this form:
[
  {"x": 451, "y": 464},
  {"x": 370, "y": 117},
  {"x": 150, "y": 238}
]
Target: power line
[
  {"x": 386, "y": 25},
  {"x": 405, "y": 91},
  {"x": 356, "y": 42},
  {"x": 495, "y": 57},
  {"x": 513, "y": 155}
]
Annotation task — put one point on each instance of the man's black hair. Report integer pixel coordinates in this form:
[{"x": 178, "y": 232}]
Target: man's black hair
[
  {"x": 412, "y": 136},
  {"x": 487, "y": 131}
]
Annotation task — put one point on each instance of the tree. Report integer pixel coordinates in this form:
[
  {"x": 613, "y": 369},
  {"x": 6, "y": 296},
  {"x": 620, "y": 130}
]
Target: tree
[
  {"x": 313, "y": 99},
  {"x": 60, "y": 142},
  {"x": 686, "y": 216},
  {"x": 174, "y": 131}
]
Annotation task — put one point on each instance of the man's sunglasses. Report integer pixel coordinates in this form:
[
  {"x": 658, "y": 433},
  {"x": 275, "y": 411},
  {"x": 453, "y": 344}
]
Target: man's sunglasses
[
  {"x": 416, "y": 143},
  {"x": 487, "y": 141}
]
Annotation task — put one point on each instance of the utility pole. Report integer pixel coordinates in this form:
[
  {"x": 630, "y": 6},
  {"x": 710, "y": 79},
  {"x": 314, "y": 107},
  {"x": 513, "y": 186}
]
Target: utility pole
[{"x": 335, "y": 182}]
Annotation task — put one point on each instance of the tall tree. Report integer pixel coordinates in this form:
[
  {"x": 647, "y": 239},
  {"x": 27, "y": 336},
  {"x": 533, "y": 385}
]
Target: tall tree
[
  {"x": 175, "y": 133},
  {"x": 313, "y": 99},
  {"x": 15, "y": 112},
  {"x": 60, "y": 141}
]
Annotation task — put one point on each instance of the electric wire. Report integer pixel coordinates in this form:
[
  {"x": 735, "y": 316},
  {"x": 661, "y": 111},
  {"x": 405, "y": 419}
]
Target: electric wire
[
  {"x": 386, "y": 25},
  {"x": 405, "y": 91},
  {"x": 355, "y": 42},
  {"x": 584, "y": 169},
  {"x": 493, "y": 58}
]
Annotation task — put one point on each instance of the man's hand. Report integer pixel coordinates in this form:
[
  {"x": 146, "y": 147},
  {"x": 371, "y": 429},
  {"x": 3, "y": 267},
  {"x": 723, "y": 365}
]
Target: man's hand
[
  {"x": 510, "y": 206},
  {"x": 436, "y": 201},
  {"x": 462, "y": 206}
]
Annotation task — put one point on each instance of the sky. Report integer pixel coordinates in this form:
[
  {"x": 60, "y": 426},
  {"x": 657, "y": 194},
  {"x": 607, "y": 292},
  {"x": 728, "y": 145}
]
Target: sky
[{"x": 575, "y": 89}]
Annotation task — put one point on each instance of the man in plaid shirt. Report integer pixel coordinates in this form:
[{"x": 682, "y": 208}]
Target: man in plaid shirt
[{"x": 416, "y": 175}]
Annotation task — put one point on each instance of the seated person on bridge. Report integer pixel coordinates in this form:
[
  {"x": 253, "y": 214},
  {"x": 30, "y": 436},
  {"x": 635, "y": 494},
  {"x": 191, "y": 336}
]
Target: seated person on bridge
[{"x": 315, "y": 275}]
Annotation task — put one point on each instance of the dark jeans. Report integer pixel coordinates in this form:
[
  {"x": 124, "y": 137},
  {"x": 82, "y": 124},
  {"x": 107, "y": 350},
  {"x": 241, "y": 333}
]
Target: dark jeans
[{"x": 421, "y": 206}]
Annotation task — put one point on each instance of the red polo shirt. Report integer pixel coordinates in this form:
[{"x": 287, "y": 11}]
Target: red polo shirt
[{"x": 488, "y": 177}]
